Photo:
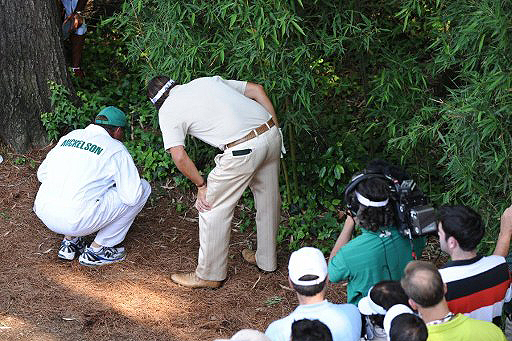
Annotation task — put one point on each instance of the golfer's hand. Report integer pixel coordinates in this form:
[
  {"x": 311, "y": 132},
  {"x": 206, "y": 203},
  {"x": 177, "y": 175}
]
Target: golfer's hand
[{"x": 201, "y": 204}]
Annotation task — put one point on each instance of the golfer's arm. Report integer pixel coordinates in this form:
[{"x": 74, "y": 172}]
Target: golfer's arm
[
  {"x": 257, "y": 93},
  {"x": 185, "y": 164}
]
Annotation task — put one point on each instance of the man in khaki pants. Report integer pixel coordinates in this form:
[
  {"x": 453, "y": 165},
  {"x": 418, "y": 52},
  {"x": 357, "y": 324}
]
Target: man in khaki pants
[{"x": 238, "y": 118}]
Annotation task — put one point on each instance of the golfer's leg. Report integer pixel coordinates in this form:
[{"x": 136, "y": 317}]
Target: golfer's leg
[
  {"x": 265, "y": 188},
  {"x": 226, "y": 183},
  {"x": 120, "y": 216}
]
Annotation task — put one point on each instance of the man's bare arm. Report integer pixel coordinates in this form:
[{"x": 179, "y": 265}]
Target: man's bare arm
[
  {"x": 344, "y": 237},
  {"x": 257, "y": 93},
  {"x": 503, "y": 243}
]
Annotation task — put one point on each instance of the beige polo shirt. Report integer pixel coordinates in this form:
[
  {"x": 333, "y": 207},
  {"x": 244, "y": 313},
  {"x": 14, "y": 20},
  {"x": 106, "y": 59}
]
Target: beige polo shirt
[{"x": 211, "y": 109}]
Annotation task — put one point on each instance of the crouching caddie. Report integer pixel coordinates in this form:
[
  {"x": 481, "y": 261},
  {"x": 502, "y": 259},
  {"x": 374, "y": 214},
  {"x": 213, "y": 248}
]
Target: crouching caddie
[{"x": 90, "y": 184}]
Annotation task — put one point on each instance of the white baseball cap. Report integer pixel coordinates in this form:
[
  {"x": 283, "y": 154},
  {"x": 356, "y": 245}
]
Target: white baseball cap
[
  {"x": 247, "y": 335},
  {"x": 394, "y": 311},
  {"x": 307, "y": 261},
  {"x": 368, "y": 307}
]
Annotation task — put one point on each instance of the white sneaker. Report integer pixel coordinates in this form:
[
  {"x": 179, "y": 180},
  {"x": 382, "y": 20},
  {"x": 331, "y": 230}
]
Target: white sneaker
[
  {"x": 68, "y": 250},
  {"x": 106, "y": 255}
]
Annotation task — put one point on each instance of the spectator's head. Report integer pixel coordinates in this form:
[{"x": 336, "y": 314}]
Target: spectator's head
[
  {"x": 459, "y": 226},
  {"x": 307, "y": 271},
  {"x": 113, "y": 120},
  {"x": 401, "y": 324},
  {"x": 310, "y": 330},
  {"x": 158, "y": 90},
  {"x": 247, "y": 335},
  {"x": 423, "y": 284},
  {"x": 380, "y": 298},
  {"x": 372, "y": 197}
]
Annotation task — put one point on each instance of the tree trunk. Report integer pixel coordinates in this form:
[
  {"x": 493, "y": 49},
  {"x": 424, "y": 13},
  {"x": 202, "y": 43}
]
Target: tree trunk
[{"x": 30, "y": 55}]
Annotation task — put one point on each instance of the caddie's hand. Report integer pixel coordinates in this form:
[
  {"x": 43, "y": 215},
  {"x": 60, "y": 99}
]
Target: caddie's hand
[
  {"x": 506, "y": 221},
  {"x": 201, "y": 204}
]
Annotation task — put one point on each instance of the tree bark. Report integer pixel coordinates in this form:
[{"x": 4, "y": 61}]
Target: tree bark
[{"x": 31, "y": 54}]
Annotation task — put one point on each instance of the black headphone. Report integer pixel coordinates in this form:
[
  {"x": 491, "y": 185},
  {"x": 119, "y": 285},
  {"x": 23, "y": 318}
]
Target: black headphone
[{"x": 353, "y": 205}]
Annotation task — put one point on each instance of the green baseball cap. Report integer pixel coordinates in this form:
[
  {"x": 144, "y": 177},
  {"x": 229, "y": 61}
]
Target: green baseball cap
[{"x": 115, "y": 117}]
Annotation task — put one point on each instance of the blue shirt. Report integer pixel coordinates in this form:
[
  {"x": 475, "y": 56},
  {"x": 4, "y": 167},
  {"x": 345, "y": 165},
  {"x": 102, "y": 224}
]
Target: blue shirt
[{"x": 344, "y": 321}]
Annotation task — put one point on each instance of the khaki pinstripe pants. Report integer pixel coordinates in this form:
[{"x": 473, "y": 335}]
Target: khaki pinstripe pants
[{"x": 226, "y": 182}]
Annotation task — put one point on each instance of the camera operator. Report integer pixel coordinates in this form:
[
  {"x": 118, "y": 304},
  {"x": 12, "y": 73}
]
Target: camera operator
[{"x": 380, "y": 252}]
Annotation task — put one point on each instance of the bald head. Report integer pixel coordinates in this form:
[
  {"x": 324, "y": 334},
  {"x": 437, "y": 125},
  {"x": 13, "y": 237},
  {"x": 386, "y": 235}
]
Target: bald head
[{"x": 423, "y": 284}]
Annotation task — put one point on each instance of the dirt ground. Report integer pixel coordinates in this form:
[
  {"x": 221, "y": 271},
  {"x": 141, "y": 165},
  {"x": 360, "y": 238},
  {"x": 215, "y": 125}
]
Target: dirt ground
[{"x": 43, "y": 298}]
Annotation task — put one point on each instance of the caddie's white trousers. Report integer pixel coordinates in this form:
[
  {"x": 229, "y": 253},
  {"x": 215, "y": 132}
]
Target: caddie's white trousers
[
  {"x": 108, "y": 216},
  {"x": 259, "y": 170}
]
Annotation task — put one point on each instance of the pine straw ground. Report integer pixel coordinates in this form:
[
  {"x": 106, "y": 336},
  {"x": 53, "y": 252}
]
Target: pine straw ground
[{"x": 45, "y": 299}]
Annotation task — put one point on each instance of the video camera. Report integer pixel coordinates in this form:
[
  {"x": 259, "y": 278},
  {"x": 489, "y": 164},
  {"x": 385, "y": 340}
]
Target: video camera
[{"x": 414, "y": 216}]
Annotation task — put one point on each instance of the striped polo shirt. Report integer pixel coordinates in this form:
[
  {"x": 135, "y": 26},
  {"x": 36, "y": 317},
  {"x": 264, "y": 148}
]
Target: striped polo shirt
[{"x": 477, "y": 287}]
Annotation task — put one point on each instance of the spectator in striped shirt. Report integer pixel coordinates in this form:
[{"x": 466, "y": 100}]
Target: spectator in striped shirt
[
  {"x": 476, "y": 286},
  {"x": 426, "y": 290}
]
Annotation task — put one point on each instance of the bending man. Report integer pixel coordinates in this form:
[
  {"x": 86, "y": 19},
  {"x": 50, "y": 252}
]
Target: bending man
[{"x": 238, "y": 118}]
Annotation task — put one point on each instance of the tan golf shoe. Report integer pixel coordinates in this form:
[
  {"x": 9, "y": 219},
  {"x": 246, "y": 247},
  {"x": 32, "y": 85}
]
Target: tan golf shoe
[
  {"x": 249, "y": 256},
  {"x": 190, "y": 280}
]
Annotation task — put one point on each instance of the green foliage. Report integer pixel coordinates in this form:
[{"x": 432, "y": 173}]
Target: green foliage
[
  {"x": 5, "y": 216},
  {"x": 273, "y": 300},
  {"x": 463, "y": 129},
  {"x": 310, "y": 229},
  {"x": 65, "y": 116},
  {"x": 20, "y": 160}
]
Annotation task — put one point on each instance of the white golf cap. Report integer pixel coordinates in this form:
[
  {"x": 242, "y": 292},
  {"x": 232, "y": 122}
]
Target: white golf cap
[
  {"x": 247, "y": 335},
  {"x": 368, "y": 307},
  {"x": 307, "y": 261},
  {"x": 394, "y": 311}
]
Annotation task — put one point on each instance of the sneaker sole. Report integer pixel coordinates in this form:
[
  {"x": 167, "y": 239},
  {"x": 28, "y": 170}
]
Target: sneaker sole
[
  {"x": 101, "y": 263},
  {"x": 64, "y": 257}
]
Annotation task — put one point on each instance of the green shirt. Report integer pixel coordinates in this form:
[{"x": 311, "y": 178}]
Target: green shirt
[
  {"x": 462, "y": 328},
  {"x": 370, "y": 258}
]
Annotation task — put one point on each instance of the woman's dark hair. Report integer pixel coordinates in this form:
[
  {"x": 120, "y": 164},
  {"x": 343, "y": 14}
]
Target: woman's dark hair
[
  {"x": 374, "y": 218},
  {"x": 154, "y": 86},
  {"x": 310, "y": 330},
  {"x": 387, "y": 294}
]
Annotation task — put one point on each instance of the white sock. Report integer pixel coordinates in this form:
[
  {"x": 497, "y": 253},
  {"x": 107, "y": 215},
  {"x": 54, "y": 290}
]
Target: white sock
[
  {"x": 96, "y": 249},
  {"x": 74, "y": 240}
]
